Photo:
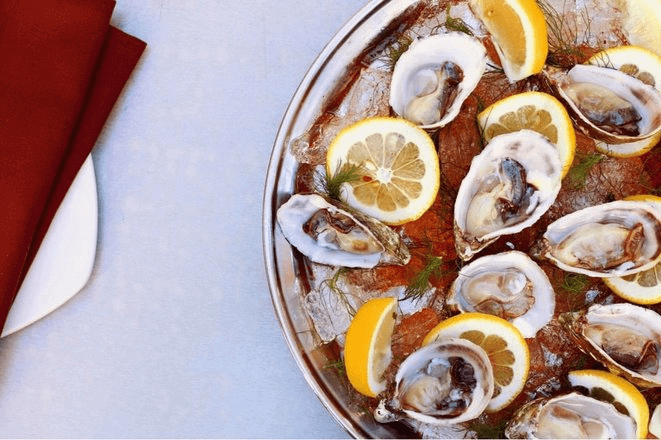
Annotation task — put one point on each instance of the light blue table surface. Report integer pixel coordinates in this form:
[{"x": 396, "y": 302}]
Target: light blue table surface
[{"x": 175, "y": 333}]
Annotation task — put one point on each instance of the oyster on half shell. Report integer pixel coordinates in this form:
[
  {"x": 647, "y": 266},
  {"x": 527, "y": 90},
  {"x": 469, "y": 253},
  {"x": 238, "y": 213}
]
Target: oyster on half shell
[
  {"x": 613, "y": 239},
  {"x": 509, "y": 285},
  {"x": 446, "y": 382},
  {"x": 434, "y": 76},
  {"x": 571, "y": 415},
  {"x": 608, "y": 104},
  {"x": 330, "y": 233},
  {"x": 509, "y": 186},
  {"x": 624, "y": 337}
]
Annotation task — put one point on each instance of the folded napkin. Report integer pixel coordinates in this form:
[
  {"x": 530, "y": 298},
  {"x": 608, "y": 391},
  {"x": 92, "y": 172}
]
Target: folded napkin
[{"x": 62, "y": 68}]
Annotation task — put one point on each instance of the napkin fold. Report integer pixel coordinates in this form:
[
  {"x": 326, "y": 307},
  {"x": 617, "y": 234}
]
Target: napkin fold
[{"x": 63, "y": 67}]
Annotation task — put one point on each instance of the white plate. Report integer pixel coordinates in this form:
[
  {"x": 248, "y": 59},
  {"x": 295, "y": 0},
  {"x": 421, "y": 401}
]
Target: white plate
[{"x": 65, "y": 259}]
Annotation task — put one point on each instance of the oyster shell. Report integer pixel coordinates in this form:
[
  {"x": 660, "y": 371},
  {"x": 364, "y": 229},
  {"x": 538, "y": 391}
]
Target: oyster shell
[
  {"x": 434, "y": 76},
  {"x": 330, "y": 233},
  {"x": 609, "y": 105},
  {"x": 624, "y": 337},
  {"x": 445, "y": 382},
  {"x": 509, "y": 186},
  {"x": 613, "y": 239},
  {"x": 571, "y": 415},
  {"x": 509, "y": 285}
]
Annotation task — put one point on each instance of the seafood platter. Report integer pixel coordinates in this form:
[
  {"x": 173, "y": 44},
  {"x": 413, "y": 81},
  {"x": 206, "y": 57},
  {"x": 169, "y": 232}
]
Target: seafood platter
[{"x": 462, "y": 220}]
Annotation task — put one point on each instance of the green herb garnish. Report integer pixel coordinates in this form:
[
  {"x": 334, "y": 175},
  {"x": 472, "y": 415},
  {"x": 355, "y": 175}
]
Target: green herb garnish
[
  {"x": 578, "y": 174},
  {"x": 489, "y": 429},
  {"x": 456, "y": 24},
  {"x": 331, "y": 186},
  {"x": 564, "y": 40},
  {"x": 420, "y": 282},
  {"x": 332, "y": 284},
  {"x": 395, "y": 50}
]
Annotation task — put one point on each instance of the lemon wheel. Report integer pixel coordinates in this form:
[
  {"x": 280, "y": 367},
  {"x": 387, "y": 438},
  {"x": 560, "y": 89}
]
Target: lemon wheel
[
  {"x": 518, "y": 28},
  {"x": 504, "y": 344},
  {"x": 367, "y": 351},
  {"x": 642, "y": 287},
  {"x": 399, "y": 172},
  {"x": 535, "y": 111},
  {"x": 639, "y": 63},
  {"x": 610, "y": 388}
]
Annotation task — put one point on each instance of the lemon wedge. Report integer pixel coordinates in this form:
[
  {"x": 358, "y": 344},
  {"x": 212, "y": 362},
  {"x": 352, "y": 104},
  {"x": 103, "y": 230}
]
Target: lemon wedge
[
  {"x": 367, "y": 351},
  {"x": 518, "y": 28},
  {"x": 535, "y": 111},
  {"x": 642, "y": 64},
  {"x": 641, "y": 23},
  {"x": 399, "y": 172},
  {"x": 504, "y": 344},
  {"x": 642, "y": 287},
  {"x": 610, "y": 388}
]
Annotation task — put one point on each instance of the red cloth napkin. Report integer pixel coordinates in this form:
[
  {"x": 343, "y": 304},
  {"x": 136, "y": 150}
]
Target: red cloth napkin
[{"x": 62, "y": 67}]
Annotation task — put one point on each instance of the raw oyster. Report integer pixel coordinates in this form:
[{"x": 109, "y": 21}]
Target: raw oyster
[
  {"x": 609, "y": 105},
  {"x": 510, "y": 184},
  {"x": 434, "y": 76},
  {"x": 613, "y": 239},
  {"x": 509, "y": 285},
  {"x": 329, "y": 233},
  {"x": 624, "y": 337},
  {"x": 445, "y": 382},
  {"x": 571, "y": 415}
]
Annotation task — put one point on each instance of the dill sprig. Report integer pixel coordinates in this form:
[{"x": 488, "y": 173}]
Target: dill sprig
[
  {"x": 564, "y": 44},
  {"x": 337, "y": 366},
  {"x": 578, "y": 174},
  {"x": 489, "y": 429},
  {"x": 574, "y": 283},
  {"x": 396, "y": 49},
  {"x": 420, "y": 282},
  {"x": 456, "y": 24},
  {"x": 574, "y": 286},
  {"x": 332, "y": 284},
  {"x": 331, "y": 186}
]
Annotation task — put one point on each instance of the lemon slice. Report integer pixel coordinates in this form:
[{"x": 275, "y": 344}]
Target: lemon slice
[
  {"x": 518, "y": 28},
  {"x": 399, "y": 173},
  {"x": 642, "y": 287},
  {"x": 504, "y": 344},
  {"x": 642, "y": 64},
  {"x": 367, "y": 351},
  {"x": 535, "y": 111},
  {"x": 610, "y": 388},
  {"x": 641, "y": 23}
]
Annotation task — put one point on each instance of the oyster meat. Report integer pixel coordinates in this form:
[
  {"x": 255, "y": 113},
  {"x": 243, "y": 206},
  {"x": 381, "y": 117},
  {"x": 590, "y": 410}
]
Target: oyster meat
[
  {"x": 509, "y": 285},
  {"x": 330, "y": 233},
  {"x": 446, "y": 382},
  {"x": 434, "y": 76},
  {"x": 613, "y": 239},
  {"x": 609, "y": 105},
  {"x": 509, "y": 186},
  {"x": 624, "y": 337},
  {"x": 571, "y": 415}
]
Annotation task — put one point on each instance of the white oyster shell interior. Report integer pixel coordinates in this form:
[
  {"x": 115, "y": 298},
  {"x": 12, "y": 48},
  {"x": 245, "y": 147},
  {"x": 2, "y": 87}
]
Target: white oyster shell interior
[
  {"x": 509, "y": 186},
  {"x": 446, "y": 382},
  {"x": 509, "y": 285},
  {"x": 616, "y": 107},
  {"x": 571, "y": 416},
  {"x": 628, "y": 338},
  {"x": 303, "y": 220},
  {"x": 434, "y": 76},
  {"x": 613, "y": 239}
]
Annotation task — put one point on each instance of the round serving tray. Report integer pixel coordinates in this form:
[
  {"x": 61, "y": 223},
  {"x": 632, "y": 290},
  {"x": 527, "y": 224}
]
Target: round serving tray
[{"x": 287, "y": 272}]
